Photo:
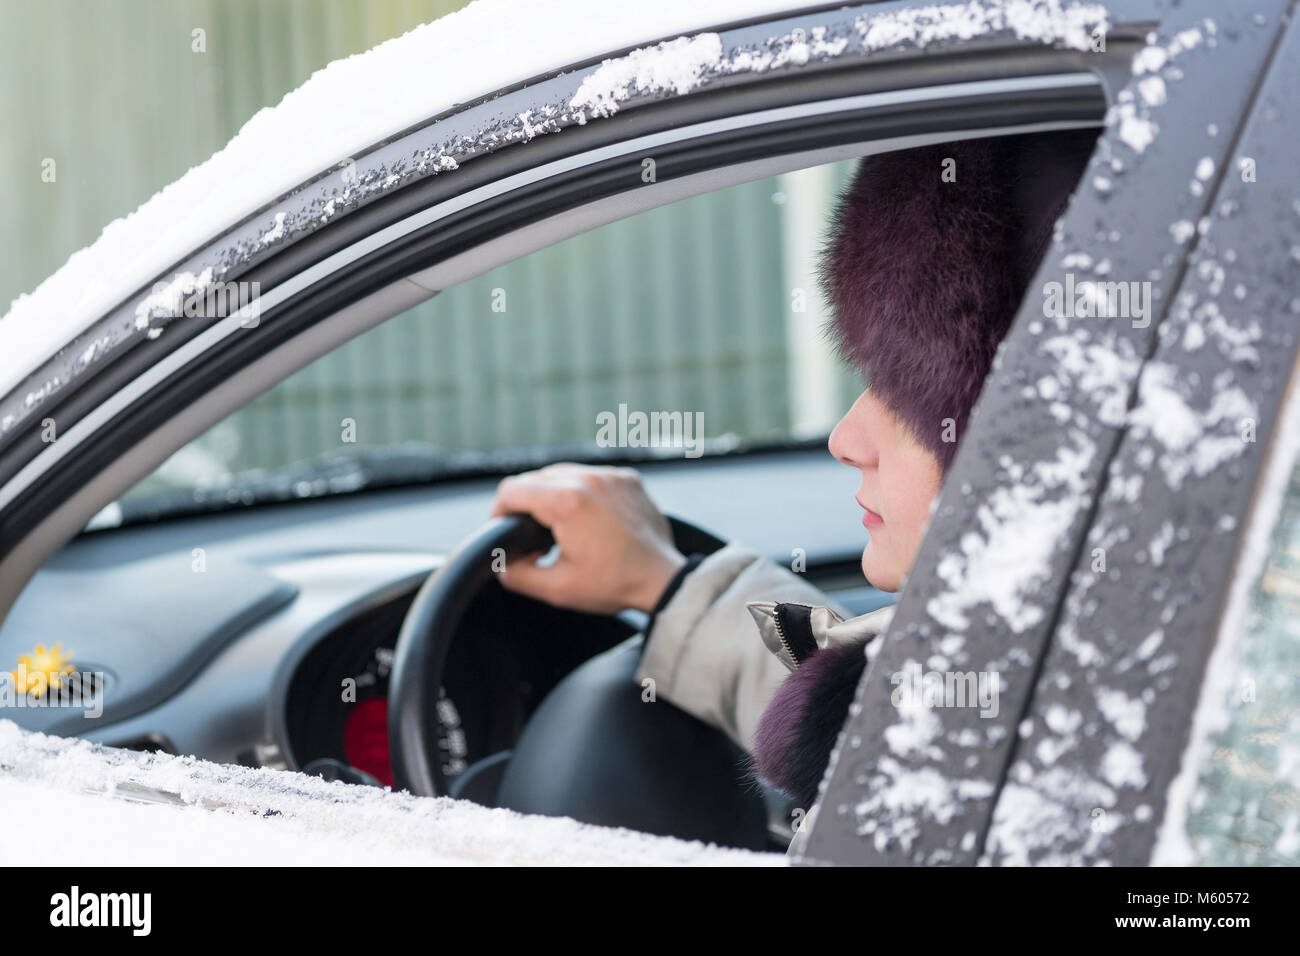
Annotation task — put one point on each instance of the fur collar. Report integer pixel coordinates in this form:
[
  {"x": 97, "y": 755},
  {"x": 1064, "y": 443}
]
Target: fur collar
[{"x": 826, "y": 655}]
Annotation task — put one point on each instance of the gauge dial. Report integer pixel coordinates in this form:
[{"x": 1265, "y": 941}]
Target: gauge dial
[{"x": 365, "y": 729}]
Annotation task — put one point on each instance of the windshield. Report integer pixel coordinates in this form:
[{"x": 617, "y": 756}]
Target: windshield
[{"x": 683, "y": 332}]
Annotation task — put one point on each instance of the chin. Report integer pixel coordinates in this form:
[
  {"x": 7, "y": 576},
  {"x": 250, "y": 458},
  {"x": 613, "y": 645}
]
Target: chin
[{"x": 878, "y": 573}]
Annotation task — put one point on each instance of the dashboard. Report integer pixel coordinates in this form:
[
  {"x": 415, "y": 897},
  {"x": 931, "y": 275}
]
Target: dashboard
[
  {"x": 507, "y": 656},
  {"x": 263, "y": 636}
]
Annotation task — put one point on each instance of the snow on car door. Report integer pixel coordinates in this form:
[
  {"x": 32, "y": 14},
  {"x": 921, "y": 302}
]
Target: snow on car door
[{"x": 1042, "y": 573}]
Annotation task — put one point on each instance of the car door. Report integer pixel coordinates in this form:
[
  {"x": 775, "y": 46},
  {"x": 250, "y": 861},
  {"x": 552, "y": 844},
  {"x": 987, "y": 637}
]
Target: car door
[
  {"x": 1096, "y": 513},
  {"x": 123, "y": 397}
]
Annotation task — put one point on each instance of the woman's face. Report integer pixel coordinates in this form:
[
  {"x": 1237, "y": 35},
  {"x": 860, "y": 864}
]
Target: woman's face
[{"x": 900, "y": 477}]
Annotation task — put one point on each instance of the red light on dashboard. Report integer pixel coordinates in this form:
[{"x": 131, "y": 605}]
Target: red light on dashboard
[{"x": 365, "y": 739}]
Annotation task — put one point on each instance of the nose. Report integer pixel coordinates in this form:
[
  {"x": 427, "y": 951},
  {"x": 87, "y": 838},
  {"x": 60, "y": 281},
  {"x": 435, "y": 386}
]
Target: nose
[{"x": 851, "y": 440}]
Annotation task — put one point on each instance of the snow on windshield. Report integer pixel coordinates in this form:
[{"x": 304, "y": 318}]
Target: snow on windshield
[{"x": 201, "y": 812}]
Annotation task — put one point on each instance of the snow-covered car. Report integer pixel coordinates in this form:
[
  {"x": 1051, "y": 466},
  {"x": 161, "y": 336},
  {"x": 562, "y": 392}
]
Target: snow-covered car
[{"x": 1115, "y": 542}]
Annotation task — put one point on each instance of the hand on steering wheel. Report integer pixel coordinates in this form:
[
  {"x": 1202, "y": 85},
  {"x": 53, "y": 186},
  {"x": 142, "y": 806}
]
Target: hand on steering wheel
[
  {"x": 432, "y": 622},
  {"x": 616, "y": 548}
]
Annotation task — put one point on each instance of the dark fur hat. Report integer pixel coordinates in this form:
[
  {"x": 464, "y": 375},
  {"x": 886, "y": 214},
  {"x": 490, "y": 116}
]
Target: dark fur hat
[{"x": 924, "y": 275}]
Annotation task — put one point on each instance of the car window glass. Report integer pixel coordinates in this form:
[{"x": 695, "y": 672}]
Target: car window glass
[
  {"x": 1244, "y": 808},
  {"x": 708, "y": 307}
]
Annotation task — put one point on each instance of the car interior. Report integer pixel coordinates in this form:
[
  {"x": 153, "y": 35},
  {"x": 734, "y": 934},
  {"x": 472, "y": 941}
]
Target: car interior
[{"x": 265, "y": 593}]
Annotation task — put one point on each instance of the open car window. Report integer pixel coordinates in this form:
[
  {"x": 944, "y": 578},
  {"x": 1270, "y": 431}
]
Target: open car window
[{"x": 685, "y": 331}]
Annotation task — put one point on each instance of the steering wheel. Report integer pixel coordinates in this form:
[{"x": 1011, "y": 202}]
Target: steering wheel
[{"x": 592, "y": 750}]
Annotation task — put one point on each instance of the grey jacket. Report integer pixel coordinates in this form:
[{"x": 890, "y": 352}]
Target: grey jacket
[{"x": 704, "y": 655}]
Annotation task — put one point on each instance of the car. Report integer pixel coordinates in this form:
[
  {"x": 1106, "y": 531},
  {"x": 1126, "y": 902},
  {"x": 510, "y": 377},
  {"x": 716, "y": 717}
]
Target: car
[{"x": 1110, "y": 545}]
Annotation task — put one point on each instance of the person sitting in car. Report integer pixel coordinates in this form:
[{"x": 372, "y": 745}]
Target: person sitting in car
[{"x": 931, "y": 250}]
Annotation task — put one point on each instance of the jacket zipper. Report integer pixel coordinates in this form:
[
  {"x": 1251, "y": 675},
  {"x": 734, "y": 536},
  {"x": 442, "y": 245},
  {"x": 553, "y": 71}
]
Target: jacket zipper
[{"x": 780, "y": 636}]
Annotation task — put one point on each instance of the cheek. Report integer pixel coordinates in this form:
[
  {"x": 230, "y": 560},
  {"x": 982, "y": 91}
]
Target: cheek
[
  {"x": 913, "y": 509},
  {"x": 906, "y": 493},
  {"x": 884, "y": 561}
]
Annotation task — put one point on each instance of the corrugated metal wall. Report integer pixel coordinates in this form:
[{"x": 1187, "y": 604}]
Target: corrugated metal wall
[
  {"x": 676, "y": 309},
  {"x": 113, "y": 92},
  {"x": 684, "y": 308}
]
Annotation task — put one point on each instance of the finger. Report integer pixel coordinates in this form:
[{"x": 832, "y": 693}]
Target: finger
[
  {"x": 514, "y": 494},
  {"x": 547, "y": 501},
  {"x": 563, "y": 468}
]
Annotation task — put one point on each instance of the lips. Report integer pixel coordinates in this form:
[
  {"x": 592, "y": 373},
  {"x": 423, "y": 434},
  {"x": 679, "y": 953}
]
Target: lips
[{"x": 869, "y": 518}]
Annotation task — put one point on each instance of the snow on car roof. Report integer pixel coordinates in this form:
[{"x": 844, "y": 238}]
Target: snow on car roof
[
  {"x": 157, "y": 809},
  {"x": 485, "y": 47},
  {"x": 338, "y": 112}
]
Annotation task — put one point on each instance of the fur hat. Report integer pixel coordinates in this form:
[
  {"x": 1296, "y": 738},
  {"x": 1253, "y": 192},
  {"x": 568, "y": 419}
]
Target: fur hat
[{"x": 924, "y": 275}]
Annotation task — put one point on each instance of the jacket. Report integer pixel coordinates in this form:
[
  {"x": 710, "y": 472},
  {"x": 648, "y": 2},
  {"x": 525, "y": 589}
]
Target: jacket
[{"x": 703, "y": 657}]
